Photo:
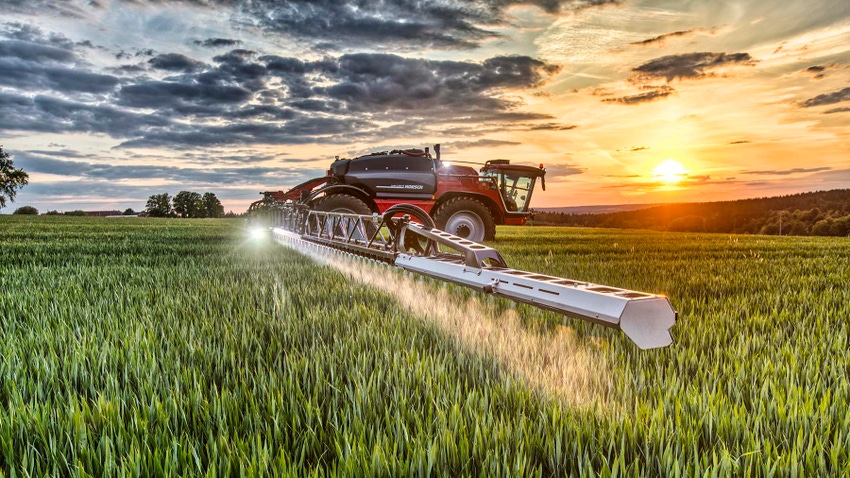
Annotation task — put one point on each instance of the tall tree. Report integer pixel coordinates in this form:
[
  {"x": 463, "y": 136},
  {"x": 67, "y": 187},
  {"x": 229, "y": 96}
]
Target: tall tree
[
  {"x": 188, "y": 204},
  {"x": 159, "y": 205},
  {"x": 11, "y": 179},
  {"x": 212, "y": 206}
]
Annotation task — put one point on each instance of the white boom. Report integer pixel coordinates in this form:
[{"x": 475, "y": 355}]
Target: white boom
[{"x": 645, "y": 318}]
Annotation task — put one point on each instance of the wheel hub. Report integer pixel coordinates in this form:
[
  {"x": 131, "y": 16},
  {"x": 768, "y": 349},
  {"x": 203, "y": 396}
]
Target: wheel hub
[{"x": 467, "y": 225}]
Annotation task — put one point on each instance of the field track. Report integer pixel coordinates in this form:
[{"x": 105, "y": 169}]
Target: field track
[{"x": 144, "y": 347}]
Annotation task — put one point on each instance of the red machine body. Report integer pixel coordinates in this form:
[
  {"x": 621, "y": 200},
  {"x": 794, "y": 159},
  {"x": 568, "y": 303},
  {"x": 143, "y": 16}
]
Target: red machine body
[{"x": 462, "y": 201}]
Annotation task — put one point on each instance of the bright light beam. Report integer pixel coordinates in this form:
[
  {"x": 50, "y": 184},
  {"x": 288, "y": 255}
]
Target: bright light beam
[{"x": 258, "y": 233}]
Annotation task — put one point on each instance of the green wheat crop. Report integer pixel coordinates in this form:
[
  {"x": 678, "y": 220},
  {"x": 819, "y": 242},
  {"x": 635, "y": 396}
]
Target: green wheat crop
[{"x": 178, "y": 347}]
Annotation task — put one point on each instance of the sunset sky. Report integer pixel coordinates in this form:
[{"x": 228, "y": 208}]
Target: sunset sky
[{"x": 105, "y": 102}]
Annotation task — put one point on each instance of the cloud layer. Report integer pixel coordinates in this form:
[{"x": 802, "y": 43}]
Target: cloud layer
[{"x": 241, "y": 97}]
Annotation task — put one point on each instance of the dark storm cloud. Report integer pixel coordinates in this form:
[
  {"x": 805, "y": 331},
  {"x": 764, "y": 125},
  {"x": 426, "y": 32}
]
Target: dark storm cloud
[
  {"x": 514, "y": 71},
  {"x": 267, "y": 112},
  {"x": 136, "y": 53},
  {"x": 217, "y": 42},
  {"x": 286, "y": 65},
  {"x": 162, "y": 94},
  {"x": 35, "y": 7},
  {"x": 655, "y": 94},
  {"x": 552, "y": 127},
  {"x": 128, "y": 69},
  {"x": 31, "y": 76},
  {"x": 560, "y": 172},
  {"x": 837, "y": 110},
  {"x": 237, "y": 67},
  {"x": 110, "y": 172},
  {"x": 239, "y": 54},
  {"x": 378, "y": 83},
  {"x": 33, "y": 66},
  {"x": 317, "y": 105},
  {"x": 35, "y": 52},
  {"x": 342, "y": 24},
  {"x": 292, "y": 72},
  {"x": 425, "y": 23},
  {"x": 230, "y": 101},
  {"x": 369, "y": 82},
  {"x": 689, "y": 65},
  {"x": 406, "y": 24},
  {"x": 32, "y": 34},
  {"x": 175, "y": 62},
  {"x": 828, "y": 98},
  {"x": 817, "y": 71},
  {"x": 300, "y": 131},
  {"x": 786, "y": 172},
  {"x": 63, "y": 153},
  {"x": 53, "y": 115},
  {"x": 660, "y": 39}
]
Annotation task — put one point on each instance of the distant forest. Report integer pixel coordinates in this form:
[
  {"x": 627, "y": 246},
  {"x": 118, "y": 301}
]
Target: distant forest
[{"x": 823, "y": 213}]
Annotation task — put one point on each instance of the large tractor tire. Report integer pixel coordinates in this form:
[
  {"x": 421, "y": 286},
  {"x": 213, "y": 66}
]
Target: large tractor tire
[
  {"x": 412, "y": 242},
  {"x": 342, "y": 203},
  {"x": 467, "y": 218},
  {"x": 347, "y": 204}
]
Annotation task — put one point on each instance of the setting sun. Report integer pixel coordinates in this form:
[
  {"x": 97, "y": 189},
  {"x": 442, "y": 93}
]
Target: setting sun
[{"x": 670, "y": 171}]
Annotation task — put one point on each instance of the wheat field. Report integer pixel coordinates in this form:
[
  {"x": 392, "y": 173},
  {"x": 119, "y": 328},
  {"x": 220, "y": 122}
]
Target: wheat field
[{"x": 152, "y": 347}]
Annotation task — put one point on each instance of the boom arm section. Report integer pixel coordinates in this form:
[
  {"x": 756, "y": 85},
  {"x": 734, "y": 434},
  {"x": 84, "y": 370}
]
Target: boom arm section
[{"x": 420, "y": 248}]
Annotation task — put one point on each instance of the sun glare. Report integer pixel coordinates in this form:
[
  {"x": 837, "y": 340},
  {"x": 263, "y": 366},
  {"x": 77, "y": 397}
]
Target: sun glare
[{"x": 670, "y": 172}]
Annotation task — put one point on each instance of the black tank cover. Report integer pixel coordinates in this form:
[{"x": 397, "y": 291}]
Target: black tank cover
[
  {"x": 391, "y": 175},
  {"x": 339, "y": 168}
]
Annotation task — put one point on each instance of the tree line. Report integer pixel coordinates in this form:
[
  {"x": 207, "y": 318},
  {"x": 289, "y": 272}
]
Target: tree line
[
  {"x": 185, "y": 204},
  {"x": 823, "y": 213}
]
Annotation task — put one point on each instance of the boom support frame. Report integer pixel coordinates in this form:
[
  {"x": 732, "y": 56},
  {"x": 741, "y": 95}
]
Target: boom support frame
[{"x": 418, "y": 247}]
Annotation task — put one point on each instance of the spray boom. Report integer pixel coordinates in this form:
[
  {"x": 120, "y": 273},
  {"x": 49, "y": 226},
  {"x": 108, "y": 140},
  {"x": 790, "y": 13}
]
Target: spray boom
[{"x": 405, "y": 237}]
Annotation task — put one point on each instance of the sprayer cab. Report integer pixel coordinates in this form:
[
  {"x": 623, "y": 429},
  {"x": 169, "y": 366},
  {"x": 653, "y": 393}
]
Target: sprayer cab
[{"x": 515, "y": 183}]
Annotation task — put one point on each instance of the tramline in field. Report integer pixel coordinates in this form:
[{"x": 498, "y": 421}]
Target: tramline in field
[{"x": 405, "y": 236}]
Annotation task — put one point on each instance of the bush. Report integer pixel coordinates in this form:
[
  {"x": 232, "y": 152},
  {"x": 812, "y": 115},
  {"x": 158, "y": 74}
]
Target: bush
[
  {"x": 770, "y": 229},
  {"x": 823, "y": 227},
  {"x": 687, "y": 224},
  {"x": 842, "y": 226},
  {"x": 77, "y": 212},
  {"x": 796, "y": 228},
  {"x": 26, "y": 210}
]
